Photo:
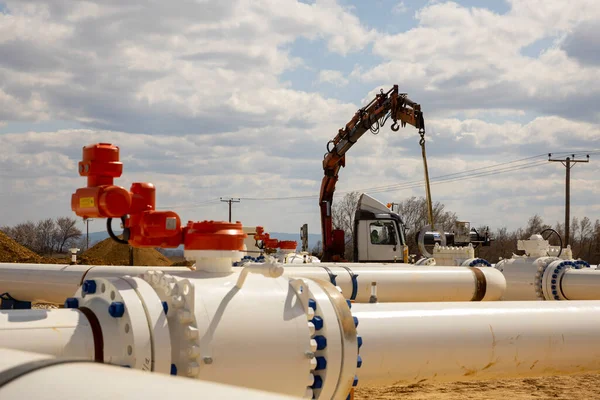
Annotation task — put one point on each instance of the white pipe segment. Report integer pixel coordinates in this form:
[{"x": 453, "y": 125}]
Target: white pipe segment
[
  {"x": 406, "y": 343},
  {"x": 25, "y": 375},
  {"x": 54, "y": 332},
  {"x": 581, "y": 284},
  {"x": 395, "y": 283},
  {"x": 404, "y": 283},
  {"x": 549, "y": 278},
  {"x": 53, "y": 283}
]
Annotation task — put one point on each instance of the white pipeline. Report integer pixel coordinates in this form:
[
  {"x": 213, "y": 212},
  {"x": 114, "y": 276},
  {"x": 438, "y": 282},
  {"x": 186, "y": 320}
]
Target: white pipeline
[
  {"x": 407, "y": 343},
  {"x": 549, "y": 278},
  {"x": 64, "y": 332},
  {"x": 581, "y": 284},
  {"x": 25, "y": 375},
  {"x": 404, "y": 283},
  {"x": 395, "y": 283},
  {"x": 53, "y": 283}
]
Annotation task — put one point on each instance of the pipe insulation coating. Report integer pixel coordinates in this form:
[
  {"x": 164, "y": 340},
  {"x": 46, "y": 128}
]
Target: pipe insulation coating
[
  {"x": 25, "y": 375},
  {"x": 407, "y": 343},
  {"x": 65, "y": 333}
]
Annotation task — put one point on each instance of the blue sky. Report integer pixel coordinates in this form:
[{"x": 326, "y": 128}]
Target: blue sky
[{"x": 215, "y": 100}]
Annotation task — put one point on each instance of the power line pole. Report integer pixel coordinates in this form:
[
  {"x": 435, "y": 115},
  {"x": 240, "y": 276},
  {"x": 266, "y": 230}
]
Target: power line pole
[
  {"x": 568, "y": 162},
  {"x": 87, "y": 233},
  {"x": 230, "y": 201}
]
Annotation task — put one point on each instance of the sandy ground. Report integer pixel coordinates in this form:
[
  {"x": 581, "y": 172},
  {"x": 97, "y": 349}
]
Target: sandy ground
[{"x": 585, "y": 386}]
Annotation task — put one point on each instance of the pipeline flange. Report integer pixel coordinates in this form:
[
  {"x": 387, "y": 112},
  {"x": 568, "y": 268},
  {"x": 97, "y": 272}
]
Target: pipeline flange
[
  {"x": 123, "y": 317},
  {"x": 542, "y": 264},
  {"x": 476, "y": 262},
  {"x": 552, "y": 278},
  {"x": 338, "y": 377}
]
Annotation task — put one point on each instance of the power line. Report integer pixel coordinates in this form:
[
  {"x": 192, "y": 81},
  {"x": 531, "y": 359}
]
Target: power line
[
  {"x": 230, "y": 201},
  {"x": 568, "y": 163}
]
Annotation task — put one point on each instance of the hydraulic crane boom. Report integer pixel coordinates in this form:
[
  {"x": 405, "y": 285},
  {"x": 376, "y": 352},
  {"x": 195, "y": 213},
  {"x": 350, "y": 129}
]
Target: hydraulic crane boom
[{"x": 374, "y": 115}]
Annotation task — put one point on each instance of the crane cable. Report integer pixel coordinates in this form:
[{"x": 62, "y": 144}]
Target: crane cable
[{"x": 426, "y": 171}]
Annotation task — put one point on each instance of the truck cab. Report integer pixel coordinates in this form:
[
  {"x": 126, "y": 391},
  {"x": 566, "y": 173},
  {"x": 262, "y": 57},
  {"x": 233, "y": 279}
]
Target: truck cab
[{"x": 379, "y": 234}]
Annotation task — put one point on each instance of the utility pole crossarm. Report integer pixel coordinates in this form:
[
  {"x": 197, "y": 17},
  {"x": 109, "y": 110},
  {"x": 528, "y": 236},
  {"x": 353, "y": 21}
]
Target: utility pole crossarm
[
  {"x": 230, "y": 201},
  {"x": 568, "y": 163}
]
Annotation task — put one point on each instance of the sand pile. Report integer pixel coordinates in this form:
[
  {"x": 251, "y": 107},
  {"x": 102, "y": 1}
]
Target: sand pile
[
  {"x": 13, "y": 252},
  {"x": 109, "y": 252}
]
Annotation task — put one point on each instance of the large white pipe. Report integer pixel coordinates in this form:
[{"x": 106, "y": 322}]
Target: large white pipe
[
  {"x": 395, "y": 283},
  {"x": 53, "y": 283},
  {"x": 549, "y": 278},
  {"x": 25, "y": 375},
  {"x": 406, "y": 343},
  {"x": 65, "y": 332},
  {"x": 403, "y": 283},
  {"x": 581, "y": 284}
]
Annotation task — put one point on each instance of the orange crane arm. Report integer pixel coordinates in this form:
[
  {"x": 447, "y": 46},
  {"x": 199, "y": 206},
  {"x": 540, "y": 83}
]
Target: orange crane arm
[{"x": 374, "y": 115}]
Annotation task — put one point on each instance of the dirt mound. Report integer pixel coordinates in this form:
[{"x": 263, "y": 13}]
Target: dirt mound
[
  {"x": 109, "y": 252},
  {"x": 13, "y": 252}
]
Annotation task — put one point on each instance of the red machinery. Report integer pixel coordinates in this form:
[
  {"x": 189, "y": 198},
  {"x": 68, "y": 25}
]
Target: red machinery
[
  {"x": 143, "y": 226},
  {"x": 374, "y": 115},
  {"x": 269, "y": 244}
]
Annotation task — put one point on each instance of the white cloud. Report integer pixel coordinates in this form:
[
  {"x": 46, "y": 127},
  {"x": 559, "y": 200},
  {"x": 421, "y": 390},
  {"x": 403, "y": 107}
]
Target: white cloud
[
  {"x": 400, "y": 8},
  {"x": 195, "y": 100},
  {"x": 333, "y": 77},
  {"x": 120, "y": 67},
  {"x": 461, "y": 58}
]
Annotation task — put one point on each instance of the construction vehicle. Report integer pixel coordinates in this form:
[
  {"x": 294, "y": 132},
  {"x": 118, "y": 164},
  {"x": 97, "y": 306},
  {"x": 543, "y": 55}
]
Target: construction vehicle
[
  {"x": 371, "y": 117},
  {"x": 380, "y": 234}
]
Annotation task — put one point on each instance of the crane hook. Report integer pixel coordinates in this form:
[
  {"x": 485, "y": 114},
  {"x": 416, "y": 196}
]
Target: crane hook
[{"x": 395, "y": 127}]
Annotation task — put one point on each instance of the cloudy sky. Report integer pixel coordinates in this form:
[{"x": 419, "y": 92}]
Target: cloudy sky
[{"x": 211, "y": 99}]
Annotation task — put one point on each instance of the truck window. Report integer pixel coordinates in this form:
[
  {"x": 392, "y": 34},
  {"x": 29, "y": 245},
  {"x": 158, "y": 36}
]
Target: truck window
[{"x": 382, "y": 233}]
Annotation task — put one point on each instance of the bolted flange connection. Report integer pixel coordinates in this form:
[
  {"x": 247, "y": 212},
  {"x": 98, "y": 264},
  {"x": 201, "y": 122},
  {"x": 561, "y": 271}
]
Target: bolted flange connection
[
  {"x": 549, "y": 277},
  {"x": 333, "y": 340},
  {"x": 128, "y": 310}
]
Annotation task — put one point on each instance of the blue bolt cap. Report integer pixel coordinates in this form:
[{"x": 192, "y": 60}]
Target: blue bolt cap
[
  {"x": 165, "y": 307},
  {"x": 318, "y": 382},
  {"x": 553, "y": 281},
  {"x": 312, "y": 304},
  {"x": 321, "y": 363},
  {"x": 349, "y": 303},
  {"x": 355, "y": 382},
  {"x": 554, "y": 292},
  {"x": 71, "y": 302},
  {"x": 321, "y": 342},
  {"x": 89, "y": 286},
  {"x": 359, "y": 340},
  {"x": 116, "y": 309},
  {"x": 359, "y": 362},
  {"x": 556, "y": 298},
  {"x": 556, "y": 270},
  {"x": 554, "y": 276},
  {"x": 317, "y": 322},
  {"x": 355, "y": 321},
  {"x": 173, "y": 369}
]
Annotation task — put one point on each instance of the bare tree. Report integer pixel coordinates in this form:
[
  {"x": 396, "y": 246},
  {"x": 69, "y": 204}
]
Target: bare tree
[
  {"x": 317, "y": 249},
  {"x": 342, "y": 213},
  {"x": 45, "y": 236},
  {"x": 66, "y": 232},
  {"x": 413, "y": 212},
  {"x": 23, "y": 233}
]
